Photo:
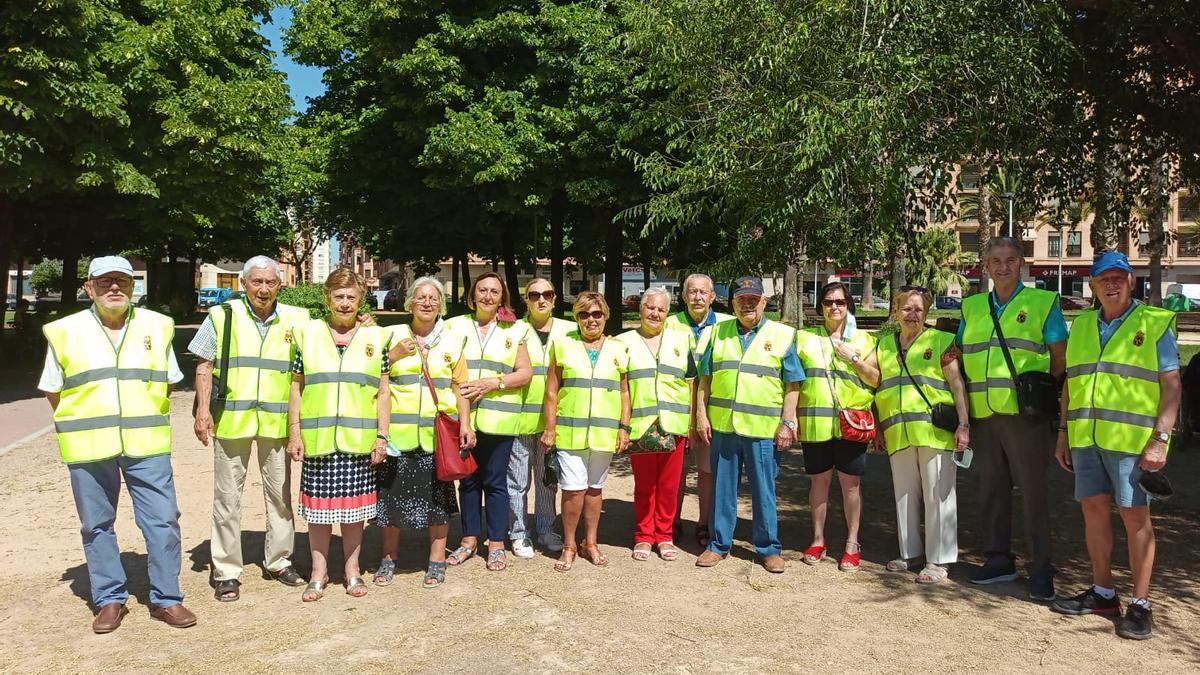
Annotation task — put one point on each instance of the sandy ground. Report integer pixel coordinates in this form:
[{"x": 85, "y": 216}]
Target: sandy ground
[{"x": 652, "y": 616}]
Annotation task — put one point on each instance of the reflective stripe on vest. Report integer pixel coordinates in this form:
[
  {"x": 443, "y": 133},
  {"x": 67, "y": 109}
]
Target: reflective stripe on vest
[
  {"x": 533, "y": 421},
  {"x": 114, "y": 400},
  {"x": 903, "y": 416},
  {"x": 657, "y": 386},
  {"x": 413, "y": 410},
  {"x": 589, "y": 397},
  {"x": 824, "y": 375},
  {"x": 746, "y": 394},
  {"x": 1113, "y": 392},
  {"x": 499, "y": 412},
  {"x": 259, "y": 377},
  {"x": 990, "y": 386},
  {"x": 337, "y": 407}
]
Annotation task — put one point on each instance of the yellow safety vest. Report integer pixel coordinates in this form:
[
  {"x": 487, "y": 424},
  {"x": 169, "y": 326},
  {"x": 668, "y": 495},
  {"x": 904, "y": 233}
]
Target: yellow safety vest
[
  {"x": 337, "y": 408},
  {"x": 499, "y": 412},
  {"x": 260, "y": 376},
  {"x": 824, "y": 375},
  {"x": 990, "y": 386},
  {"x": 413, "y": 411},
  {"x": 904, "y": 418},
  {"x": 533, "y": 420},
  {"x": 1114, "y": 391},
  {"x": 589, "y": 397},
  {"x": 658, "y": 388},
  {"x": 746, "y": 395},
  {"x": 114, "y": 401}
]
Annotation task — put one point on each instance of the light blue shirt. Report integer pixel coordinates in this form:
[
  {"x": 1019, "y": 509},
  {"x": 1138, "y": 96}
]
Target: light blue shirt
[
  {"x": 1167, "y": 347},
  {"x": 1053, "y": 332},
  {"x": 697, "y": 328},
  {"x": 791, "y": 368}
]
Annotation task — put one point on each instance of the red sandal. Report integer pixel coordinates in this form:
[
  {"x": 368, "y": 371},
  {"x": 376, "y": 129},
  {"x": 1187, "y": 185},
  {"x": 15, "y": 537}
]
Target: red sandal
[
  {"x": 813, "y": 555},
  {"x": 850, "y": 562}
]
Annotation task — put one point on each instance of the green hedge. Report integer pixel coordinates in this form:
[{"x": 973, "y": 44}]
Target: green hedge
[{"x": 312, "y": 298}]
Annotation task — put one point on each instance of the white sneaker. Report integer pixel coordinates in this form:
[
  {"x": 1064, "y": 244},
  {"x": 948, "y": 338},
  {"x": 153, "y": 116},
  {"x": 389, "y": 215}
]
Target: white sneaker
[
  {"x": 522, "y": 548},
  {"x": 552, "y": 542}
]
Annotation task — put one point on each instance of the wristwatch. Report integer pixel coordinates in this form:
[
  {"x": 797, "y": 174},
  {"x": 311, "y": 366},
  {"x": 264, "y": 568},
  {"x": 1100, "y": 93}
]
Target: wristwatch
[
  {"x": 501, "y": 381},
  {"x": 854, "y": 359},
  {"x": 1162, "y": 436},
  {"x": 789, "y": 424},
  {"x": 625, "y": 427}
]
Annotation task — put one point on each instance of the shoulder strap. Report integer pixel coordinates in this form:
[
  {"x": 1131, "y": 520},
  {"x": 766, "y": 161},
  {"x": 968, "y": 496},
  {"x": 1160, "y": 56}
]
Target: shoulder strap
[
  {"x": 428, "y": 380},
  {"x": 904, "y": 366},
  {"x": 1012, "y": 370},
  {"x": 223, "y": 384}
]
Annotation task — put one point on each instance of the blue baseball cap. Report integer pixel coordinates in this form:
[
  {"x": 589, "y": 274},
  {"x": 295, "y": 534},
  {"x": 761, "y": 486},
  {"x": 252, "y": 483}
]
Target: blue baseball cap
[
  {"x": 1110, "y": 260},
  {"x": 748, "y": 286}
]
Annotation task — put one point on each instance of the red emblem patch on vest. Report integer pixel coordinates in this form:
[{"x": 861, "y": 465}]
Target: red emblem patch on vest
[
  {"x": 370, "y": 351},
  {"x": 508, "y": 343},
  {"x": 146, "y": 343},
  {"x": 446, "y": 356},
  {"x": 767, "y": 346},
  {"x": 287, "y": 336},
  {"x": 677, "y": 351},
  {"x": 1021, "y": 317},
  {"x": 928, "y": 354},
  {"x": 1139, "y": 339}
]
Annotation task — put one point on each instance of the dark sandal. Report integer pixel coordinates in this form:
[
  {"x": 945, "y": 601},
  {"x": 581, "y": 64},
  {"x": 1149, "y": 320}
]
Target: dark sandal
[
  {"x": 594, "y": 555},
  {"x": 566, "y": 559},
  {"x": 497, "y": 561},
  {"x": 228, "y": 590},
  {"x": 436, "y": 574}
]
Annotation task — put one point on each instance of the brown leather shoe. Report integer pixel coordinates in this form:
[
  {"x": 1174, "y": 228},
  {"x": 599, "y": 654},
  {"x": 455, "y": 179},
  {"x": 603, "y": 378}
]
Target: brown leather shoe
[
  {"x": 109, "y": 618},
  {"x": 774, "y": 564},
  {"x": 709, "y": 559},
  {"x": 175, "y": 616}
]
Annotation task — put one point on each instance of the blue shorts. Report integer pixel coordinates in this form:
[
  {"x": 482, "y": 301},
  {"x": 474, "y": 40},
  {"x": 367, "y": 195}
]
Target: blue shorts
[{"x": 1107, "y": 472}]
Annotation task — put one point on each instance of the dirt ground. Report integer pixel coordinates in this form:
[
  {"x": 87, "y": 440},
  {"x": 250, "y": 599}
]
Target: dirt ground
[{"x": 631, "y": 616}]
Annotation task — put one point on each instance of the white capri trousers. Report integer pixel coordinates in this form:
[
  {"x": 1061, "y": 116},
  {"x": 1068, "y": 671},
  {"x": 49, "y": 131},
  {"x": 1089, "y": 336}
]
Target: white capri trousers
[
  {"x": 926, "y": 477},
  {"x": 583, "y": 469}
]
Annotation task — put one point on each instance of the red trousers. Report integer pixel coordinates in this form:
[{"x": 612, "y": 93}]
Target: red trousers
[{"x": 655, "y": 493}]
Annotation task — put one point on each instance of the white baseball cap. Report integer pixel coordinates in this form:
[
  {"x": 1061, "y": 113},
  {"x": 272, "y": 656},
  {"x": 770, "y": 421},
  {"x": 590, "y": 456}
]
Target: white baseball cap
[{"x": 109, "y": 263}]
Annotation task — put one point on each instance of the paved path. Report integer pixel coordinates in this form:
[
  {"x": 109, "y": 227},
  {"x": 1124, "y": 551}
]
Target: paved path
[{"x": 23, "y": 420}]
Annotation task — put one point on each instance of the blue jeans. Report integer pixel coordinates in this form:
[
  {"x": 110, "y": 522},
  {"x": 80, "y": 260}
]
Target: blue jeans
[
  {"x": 729, "y": 454},
  {"x": 151, "y": 483},
  {"x": 487, "y": 488},
  {"x": 1106, "y": 472}
]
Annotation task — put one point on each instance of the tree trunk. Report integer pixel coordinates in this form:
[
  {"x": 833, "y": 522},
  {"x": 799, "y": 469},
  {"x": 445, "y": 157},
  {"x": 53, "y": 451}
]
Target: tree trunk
[
  {"x": 647, "y": 251},
  {"x": 508, "y": 250},
  {"x": 792, "y": 312},
  {"x": 465, "y": 257},
  {"x": 1157, "y": 244},
  {"x": 453, "y": 280},
  {"x": 868, "y": 289},
  {"x": 69, "y": 285},
  {"x": 613, "y": 265},
  {"x": 985, "y": 229},
  {"x": 557, "y": 214},
  {"x": 6, "y": 239},
  {"x": 899, "y": 276}
]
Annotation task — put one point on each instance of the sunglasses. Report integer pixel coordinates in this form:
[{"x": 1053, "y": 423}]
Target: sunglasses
[
  {"x": 833, "y": 303},
  {"x": 594, "y": 314},
  {"x": 534, "y": 296}
]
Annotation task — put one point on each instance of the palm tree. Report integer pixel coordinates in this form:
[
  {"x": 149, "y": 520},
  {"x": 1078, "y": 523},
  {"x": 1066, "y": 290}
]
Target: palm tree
[{"x": 933, "y": 261}]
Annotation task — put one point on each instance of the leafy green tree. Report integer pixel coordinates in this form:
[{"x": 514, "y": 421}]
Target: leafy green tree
[{"x": 933, "y": 261}]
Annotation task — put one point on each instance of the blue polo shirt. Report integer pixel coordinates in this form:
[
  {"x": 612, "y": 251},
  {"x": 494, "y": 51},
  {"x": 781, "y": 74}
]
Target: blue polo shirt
[
  {"x": 698, "y": 328},
  {"x": 1167, "y": 347},
  {"x": 791, "y": 368},
  {"x": 1054, "y": 331}
]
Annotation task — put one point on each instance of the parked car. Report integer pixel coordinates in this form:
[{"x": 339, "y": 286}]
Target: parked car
[
  {"x": 947, "y": 302},
  {"x": 394, "y": 300},
  {"x": 213, "y": 296},
  {"x": 1073, "y": 302},
  {"x": 237, "y": 295},
  {"x": 631, "y": 302}
]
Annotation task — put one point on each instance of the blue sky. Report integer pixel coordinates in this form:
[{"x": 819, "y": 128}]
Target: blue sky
[{"x": 304, "y": 81}]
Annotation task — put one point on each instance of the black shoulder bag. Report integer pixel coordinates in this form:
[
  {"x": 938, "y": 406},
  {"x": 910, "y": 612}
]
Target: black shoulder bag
[
  {"x": 220, "y": 388},
  {"x": 943, "y": 415},
  {"x": 1037, "y": 392}
]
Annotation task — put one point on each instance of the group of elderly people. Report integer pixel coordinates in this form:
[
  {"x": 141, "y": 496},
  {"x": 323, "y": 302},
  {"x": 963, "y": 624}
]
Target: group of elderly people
[{"x": 544, "y": 404}]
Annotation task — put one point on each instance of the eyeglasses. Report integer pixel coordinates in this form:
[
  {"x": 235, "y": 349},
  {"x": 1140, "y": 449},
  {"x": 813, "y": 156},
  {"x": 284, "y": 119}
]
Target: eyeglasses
[
  {"x": 833, "y": 303},
  {"x": 534, "y": 296},
  {"x": 427, "y": 300},
  {"x": 594, "y": 314},
  {"x": 107, "y": 282}
]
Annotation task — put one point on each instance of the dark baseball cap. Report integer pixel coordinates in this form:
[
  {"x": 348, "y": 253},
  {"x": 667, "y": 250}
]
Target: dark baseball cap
[{"x": 748, "y": 286}]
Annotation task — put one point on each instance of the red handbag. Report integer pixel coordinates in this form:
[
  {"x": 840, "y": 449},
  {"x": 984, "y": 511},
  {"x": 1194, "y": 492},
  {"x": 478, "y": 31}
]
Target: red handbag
[
  {"x": 453, "y": 461},
  {"x": 857, "y": 426}
]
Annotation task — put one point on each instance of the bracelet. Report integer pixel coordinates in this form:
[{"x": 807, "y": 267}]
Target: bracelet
[
  {"x": 1061, "y": 430},
  {"x": 964, "y": 425},
  {"x": 624, "y": 427},
  {"x": 791, "y": 424},
  {"x": 382, "y": 437}
]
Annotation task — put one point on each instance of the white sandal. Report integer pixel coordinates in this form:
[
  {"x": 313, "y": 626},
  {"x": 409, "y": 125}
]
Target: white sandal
[{"x": 932, "y": 574}]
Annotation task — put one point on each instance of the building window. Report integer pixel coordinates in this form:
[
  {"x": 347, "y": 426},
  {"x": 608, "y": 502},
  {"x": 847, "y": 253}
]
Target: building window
[
  {"x": 969, "y": 179},
  {"x": 1189, "y": 208},
  {"x": 1027, "y": 248},
  {"x": 968, "y": 241},
  {"x": 1055, "y": 248},
  {"x": 1074, "y": 244},
  {"x": 1189, "y": 245}
]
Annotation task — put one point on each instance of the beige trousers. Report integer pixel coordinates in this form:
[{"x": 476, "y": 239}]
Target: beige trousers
[
  {"x": 231, "y": 458},
  {"x": 924, "y": 477}
]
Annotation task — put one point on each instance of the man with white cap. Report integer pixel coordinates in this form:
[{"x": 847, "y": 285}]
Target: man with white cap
[
  {"x": 108, "y": 376},
  {"x": 253, "y": 414}
]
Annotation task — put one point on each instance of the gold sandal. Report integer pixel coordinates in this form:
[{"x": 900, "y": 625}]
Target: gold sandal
[
  {"x": 594, "y": 555},
  {"x": 565, "y": 563}
]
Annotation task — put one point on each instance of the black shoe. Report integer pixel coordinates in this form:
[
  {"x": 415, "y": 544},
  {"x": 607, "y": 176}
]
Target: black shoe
[
  {"x": 287, "y": 576},
  {"x": 1087, "y": 602},
  {"x": 1137, "y": 624},
  {"x": 999, "y": 569},
  {"x": 1041, "y": 586}
]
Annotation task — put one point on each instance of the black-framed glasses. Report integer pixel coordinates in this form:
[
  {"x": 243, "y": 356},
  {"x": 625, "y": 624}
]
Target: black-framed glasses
[
  {"x": 594, "y": 314},
  {"x": 837, "y": 302},
  {"x": 107, "y": 282},
  {"x": 534, "y": 296}
]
